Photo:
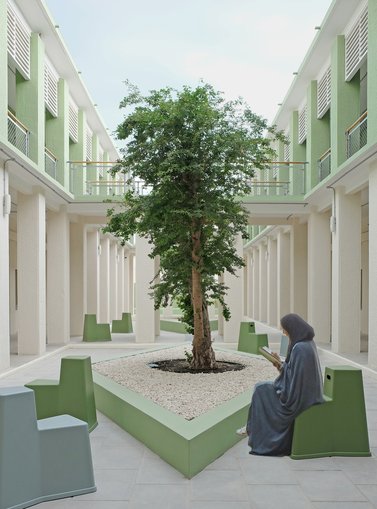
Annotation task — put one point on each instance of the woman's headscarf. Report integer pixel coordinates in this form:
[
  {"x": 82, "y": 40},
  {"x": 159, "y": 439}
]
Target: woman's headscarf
[{"x": 297, "y": 329}]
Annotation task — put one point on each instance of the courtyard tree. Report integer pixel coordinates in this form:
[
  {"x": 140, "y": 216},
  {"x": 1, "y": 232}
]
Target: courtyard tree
[{"x": 193, "y": 155}]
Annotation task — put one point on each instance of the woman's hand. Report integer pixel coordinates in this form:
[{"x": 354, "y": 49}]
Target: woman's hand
[{"x": 278, "y": 363}]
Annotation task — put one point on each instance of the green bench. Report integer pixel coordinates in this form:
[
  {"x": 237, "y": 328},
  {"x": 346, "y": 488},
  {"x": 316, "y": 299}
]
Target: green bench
[
  {"x": 248, "y": 340},
  {"x": 338, "y": 427},
  {"x": 124, "y": 325},
  {"x": 73, "y": 394},
  {"x": 94, "y": 331}
]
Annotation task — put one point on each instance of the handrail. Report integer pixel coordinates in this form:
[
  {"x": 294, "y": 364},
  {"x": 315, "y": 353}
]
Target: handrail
[
  {"x": 325, "y": 154},
  {"x": 18, "y": 122},
  {"x": 261, "y": 182},
  {"x": 287, "y": 162},
  {"x": 358, "y": 121},
  {"x": 51, "y": 154},
  {"x": 92, "y": 162}
]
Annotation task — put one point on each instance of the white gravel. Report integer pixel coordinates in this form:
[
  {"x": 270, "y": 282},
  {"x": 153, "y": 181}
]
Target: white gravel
[{"x": 186, "y": 394}]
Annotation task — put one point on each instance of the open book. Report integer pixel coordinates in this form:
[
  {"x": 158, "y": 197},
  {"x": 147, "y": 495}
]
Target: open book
[{"x": 266, "y": 352}]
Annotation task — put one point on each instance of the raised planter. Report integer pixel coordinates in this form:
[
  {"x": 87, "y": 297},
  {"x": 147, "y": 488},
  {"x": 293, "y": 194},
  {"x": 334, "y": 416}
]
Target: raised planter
[{"x": 189, "y": 446}]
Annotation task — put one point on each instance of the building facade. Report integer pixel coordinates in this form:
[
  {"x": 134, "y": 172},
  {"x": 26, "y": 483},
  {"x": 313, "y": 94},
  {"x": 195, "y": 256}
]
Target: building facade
[{"x": 313, "y": 221}]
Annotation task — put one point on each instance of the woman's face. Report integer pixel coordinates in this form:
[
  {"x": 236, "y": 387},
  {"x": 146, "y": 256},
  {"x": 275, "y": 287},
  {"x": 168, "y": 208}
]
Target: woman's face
[{"x": 284, "y": 332}]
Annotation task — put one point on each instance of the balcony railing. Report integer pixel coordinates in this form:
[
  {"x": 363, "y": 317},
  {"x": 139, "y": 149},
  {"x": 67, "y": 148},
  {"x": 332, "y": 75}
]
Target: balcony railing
[
  {"x": 50, "y": 163},
  {"x": 356, "y": 135},
  {"x": 18, "y": 134},
  {"x": 280, "y": 178},
  {"x": 93, "y": 178},
  {"x": 324, "y": 165}
]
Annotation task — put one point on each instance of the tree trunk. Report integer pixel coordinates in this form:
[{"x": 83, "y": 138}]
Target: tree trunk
[{"x": 202, "y": 351}]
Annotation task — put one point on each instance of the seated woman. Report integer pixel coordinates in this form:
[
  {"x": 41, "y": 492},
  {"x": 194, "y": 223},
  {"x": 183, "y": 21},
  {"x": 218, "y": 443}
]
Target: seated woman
[{"x": 275, "y": 405}]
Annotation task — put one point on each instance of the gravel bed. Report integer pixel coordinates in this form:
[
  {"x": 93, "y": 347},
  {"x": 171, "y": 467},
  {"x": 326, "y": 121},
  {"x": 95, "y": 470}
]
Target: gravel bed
[{"x": 186, "y": 394}]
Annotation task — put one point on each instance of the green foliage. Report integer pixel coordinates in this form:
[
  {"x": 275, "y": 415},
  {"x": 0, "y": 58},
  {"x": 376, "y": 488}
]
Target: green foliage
[{"x": 196, "y": 154}]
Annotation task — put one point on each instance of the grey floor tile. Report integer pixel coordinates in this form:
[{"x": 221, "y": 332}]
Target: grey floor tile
[
  {"x": 218, "y": 485},
  {"x": 312, "y": 464},
  {"x": 343, "y": 505},
  {"x": 328, "y": 486},
  {"x": 277, "y": 496},
  {"x": 359, "y": 470},
  {"x": 225, "y": 462},
  {"x": 116, "y": 457},
  {"x": 266, "y": 470},
  {"x": 199, "y": 504},
  {"x": 114, "y": 485},
  {"x": 370, "y": 493},
  {"x": 154, "y": 470},
  {"x": 77, "y": 503},
  {"x": 168, "y": 496}
]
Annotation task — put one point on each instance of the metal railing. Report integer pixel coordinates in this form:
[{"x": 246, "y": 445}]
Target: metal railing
[
  {"x": 324, "y": 165},
  {"x": 94, "y": 178},
  {"x": 356, "y": 135},
  {"x": 50, "y": 163},
  {"x": 18, "y": 134},
  {"x": 280, "y": 178}
]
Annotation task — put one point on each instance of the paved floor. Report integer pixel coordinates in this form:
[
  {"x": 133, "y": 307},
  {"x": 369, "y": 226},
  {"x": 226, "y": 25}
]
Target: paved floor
[{"x": 130, "y": 476}]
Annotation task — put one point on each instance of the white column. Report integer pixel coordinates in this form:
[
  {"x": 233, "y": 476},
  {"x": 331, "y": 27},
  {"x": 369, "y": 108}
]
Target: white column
[
  {"x": 319, "y": 275},
  {"x": 126, "y": 281},
  {"x": 93, "y": 273},
  {"x": 372, "y": 332},
  {"x": 145, "y": 271},
  {"x": 31, "y": 273},
  {"x": 262, "y": 282},
  {"x": 299, "y": 269},
  {"x": 131, "y": 283},
  {"x": 58, "y": 292},
  {"x": 120, "y": 299},
  {"x": 4, "y": 273},
  {"x": 255, "y": 314},
  {"x": 157, "y": 329},
  {"x": 220, "y": 318},
  {"x": 104, "y": 315},
  {"x": 283, "y": 277},
  {"x": 113, "y": 280},
  {"x": 77, "y": 277},
  {"x": 234, "y": 298},
  {"x": 249, "y": 284},
  {"x": 346, "y": 263},
  {"x": 272, "y": 312}
]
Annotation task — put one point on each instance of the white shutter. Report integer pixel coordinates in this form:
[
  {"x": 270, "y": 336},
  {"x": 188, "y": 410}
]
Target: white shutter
[
  {"x": 302, "y": 125},
  {"x": 324, "y": 93},
  {"x": 287, "y": 146},
  {"x": 356, "y": 45},
  {"x": 89, "y": 144},
  {"x": 18, "y": 41},
  {"x": 73, "y": 121},
  {"x": 51, "y": 89}
]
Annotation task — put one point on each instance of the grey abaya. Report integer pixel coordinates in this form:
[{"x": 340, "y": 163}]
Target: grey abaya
[{"x": 275, "y": 405}]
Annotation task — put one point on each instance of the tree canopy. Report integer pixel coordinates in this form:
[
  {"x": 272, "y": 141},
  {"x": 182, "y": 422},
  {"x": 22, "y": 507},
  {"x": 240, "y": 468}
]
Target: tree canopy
[{"x": 195, "y": 154}]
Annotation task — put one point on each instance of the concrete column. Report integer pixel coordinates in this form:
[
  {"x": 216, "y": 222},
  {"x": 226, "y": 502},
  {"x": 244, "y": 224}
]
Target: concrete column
[
  {"x": 249, "y": 284},
  {"x": 104, "y": 315},
  {"x": 319, "y": 275},
  {"x": 262, "y": 282},
  {"x": 31, "y": 273},
  {"x": 372, "y": 332},
  {"x": 120, "y": 299},
  {"x": 283, "y": 275},
  {"x": 58, "y": 294},
  {"x": 4, "y": 275},
  {"x": 145, "y": 272},
  {"x": 272, "y": 312},
  {"x": 131, "y": 283},
  {"x": 126, "y": 281},
  {"x": 255, "y": 314},
  {"x": 157, "y": 329},
  {"x": 93, "y": 271},
  {"x": 113, "y": 280},
  {"x": 299, "y": 269},
  {"x": 234, "y": 298},
  {"x": 221, "y": 320},
  {"x": 346, "y": 264},
  {"x": 77, "y": 278}
]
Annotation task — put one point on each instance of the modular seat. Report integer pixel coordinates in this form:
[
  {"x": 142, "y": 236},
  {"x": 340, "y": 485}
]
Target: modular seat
[
  {"x": 40, "y": 460},
  {"x": 73, "y": 394},
  {"x": 248, "y": 340},
  {"x": 124, "y": 325},
  {"x": 337, "y": 427},
  {"x": 94, "y": 331}
]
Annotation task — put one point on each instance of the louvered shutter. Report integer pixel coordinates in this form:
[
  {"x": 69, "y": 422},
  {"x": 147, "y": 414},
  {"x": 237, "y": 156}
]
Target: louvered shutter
[
  {"x": 324, "y": 93},
  {"x": 89, "y": 144},
  {"x": 356, "y": 45},
  {"x": 51, "y": 89},
  {"x": 18, "y": 41},
  {"x": 302, "y": 124},
  {"x": 73, "y": 122}
]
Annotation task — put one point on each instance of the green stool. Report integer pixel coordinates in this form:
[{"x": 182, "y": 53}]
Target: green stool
[
  {"x": 124, "y": 325},
  {"x": 73, "y": 394},
  {"x": 284, "y": 342},
  {"x": 248, "y": 340},
  {"x": 94, "y": 331},
  {"x": 337, "y": 427}
]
